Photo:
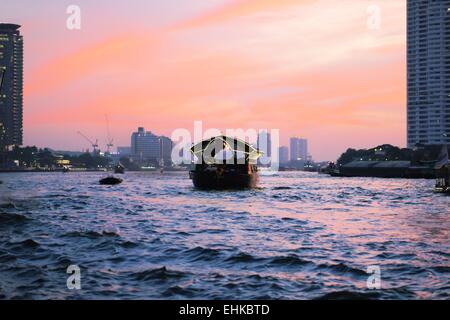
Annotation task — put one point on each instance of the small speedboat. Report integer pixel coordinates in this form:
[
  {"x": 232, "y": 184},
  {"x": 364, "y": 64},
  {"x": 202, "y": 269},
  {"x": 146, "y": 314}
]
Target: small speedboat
[{"x": 111, "y": 181}]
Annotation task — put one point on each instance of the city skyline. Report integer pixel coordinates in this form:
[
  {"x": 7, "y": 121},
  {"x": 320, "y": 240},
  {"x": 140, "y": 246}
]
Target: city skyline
[
  {"x": 165, "y": 68},
  {"x": 146, "y": 144},
  {"x": 298, "y": 149}
]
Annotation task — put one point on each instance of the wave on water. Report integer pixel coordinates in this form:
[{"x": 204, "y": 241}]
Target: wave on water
[
  {"x": 182, "y": 292},
  {"x": 343, "y": 269},
  {"x": 8, "y": 205},
  {"x": 289, "y": 261},
  {"x": 298, "y": 236},
  {"x": 6, "y": 218},
  {"x": 90, "y": 234},
  {"x": 159, "y": 274},
  {"x": 349, "y": 295},
  {"x": 243, "y": 257},
  {"x": 202, "y": 254},
  {"x": 25, "y": 244}
]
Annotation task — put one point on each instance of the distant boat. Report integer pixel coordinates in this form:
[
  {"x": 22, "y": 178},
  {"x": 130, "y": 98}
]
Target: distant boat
[
  {"x": 66, "y": 169},
  {"x": 443, "y": 180},
  {"x": 110, "y": 181},
  {"x": 442, "y": 168},
  {"x": 443, "y": 190},
  {"x": 264, "y": 171},
  {"x": 119, "y": 169},
  {"x": 224, "y": 163}
]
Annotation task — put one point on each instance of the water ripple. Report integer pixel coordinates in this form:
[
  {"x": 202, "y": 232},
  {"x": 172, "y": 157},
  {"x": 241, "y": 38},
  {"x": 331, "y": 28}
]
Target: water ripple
[{"x": 298, "y": 236}]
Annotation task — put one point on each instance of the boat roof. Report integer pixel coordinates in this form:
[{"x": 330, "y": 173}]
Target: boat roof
[
  {"x": 9, "y": 26},
  {"x": 222, "y": 143}
]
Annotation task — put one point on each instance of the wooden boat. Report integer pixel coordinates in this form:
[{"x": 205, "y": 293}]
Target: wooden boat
[
  {"x": 110, "y": 181},
  {"x": 442, "y": 168},
  {"x": 224, "y": 163},
  {"x": 443, "y": 180}
]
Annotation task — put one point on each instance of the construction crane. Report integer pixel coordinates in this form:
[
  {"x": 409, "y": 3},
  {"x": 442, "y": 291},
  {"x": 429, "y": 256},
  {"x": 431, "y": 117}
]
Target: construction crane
[
  {"x": 110, "y": 140},
  {"x": 94, "y": 145}
]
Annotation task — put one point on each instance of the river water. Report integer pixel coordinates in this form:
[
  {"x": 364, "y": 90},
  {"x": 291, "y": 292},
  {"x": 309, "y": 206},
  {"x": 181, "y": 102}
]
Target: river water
[{"x": 298, "y": 236}]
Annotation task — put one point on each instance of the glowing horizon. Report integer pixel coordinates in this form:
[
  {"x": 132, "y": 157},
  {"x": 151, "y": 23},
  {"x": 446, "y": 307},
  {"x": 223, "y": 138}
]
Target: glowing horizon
[{"x": 311, "y": 68}]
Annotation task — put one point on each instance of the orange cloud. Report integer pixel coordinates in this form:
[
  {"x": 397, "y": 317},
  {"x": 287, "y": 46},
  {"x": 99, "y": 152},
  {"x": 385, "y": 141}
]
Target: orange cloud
[
  {"x": 236, "y": 9},
  {"x": 111, "y": 55}
]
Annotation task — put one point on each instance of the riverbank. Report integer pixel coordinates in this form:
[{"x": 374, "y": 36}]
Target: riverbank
[
  {"x": 382, "y": 169},
  {"x": 49, "y": 170},
  {"x": 74, "y": 170}
]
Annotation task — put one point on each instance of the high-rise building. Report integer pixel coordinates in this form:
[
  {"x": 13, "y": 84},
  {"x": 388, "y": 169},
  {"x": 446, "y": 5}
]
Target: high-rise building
[
  {"x": 283, "y": 154},
  {"x": 428, "y": 72},
  {"x": 146, "y": 146},
  {"x": 264, "y": 144},
  {"x": 299, "y": 149},
  {"x": 11, "y": 85},
  {"x": 166, "y": 146}
]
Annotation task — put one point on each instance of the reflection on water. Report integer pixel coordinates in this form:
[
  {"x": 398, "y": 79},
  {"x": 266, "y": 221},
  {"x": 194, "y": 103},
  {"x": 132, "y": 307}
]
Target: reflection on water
[{"x": 299, "y": 236}]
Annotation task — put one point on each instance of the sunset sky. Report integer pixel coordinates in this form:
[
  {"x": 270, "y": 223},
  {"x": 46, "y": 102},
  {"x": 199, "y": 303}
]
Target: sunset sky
[{"x": 311, "y": 68}]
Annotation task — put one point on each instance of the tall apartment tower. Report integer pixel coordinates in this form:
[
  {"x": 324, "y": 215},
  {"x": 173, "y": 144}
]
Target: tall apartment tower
[
  {"x": 299, "y": 149},
  {"x": 11, "y": 85},
  {"x": 428, "y": 72},
  {"x": 283, "y": 155},
  {"x": 264, "y": 144}
]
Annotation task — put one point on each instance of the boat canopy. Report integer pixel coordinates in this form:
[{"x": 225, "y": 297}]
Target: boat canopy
[{"x": 222, "y": 148}]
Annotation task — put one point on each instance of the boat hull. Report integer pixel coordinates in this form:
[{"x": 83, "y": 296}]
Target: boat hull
[
  {"x": 111, "y": 181},
  {"x": 443, "y": 190},
  {"x": 228, "y": 180}
]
